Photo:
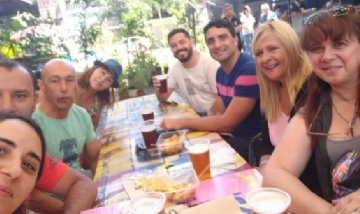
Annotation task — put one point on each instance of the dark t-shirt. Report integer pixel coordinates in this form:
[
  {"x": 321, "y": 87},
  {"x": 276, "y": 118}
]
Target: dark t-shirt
[
  {"x": 295, "y": 8},
  {"x": 241, "y": 82},
  {"x": 236, "y": 22}
]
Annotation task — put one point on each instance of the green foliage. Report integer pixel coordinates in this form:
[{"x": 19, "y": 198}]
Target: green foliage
[
  {"x": 9, "y": 48},
  {"x": 90, "y": 32},
  {"x": 32, "y": 47},
  {"x": 142, "y": 69}
]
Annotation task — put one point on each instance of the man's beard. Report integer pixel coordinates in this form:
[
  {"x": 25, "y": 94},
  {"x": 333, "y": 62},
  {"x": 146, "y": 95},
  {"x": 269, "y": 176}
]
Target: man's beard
[{"x": 189, "y": 55}]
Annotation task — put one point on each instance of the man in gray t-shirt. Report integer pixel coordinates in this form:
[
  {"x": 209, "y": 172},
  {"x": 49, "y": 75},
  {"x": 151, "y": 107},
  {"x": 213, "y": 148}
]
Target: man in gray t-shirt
[{"x": 194, "y": 73}]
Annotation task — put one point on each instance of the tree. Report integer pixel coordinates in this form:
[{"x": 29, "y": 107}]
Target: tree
[
  {"x": 21, "y": 38},
  {"x": 90, "y": 28}
]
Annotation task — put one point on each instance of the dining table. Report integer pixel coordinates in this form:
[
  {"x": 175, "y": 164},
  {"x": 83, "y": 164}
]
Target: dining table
[{"x": 122, "y": 155}]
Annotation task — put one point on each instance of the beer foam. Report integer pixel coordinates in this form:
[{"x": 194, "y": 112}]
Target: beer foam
[
  {"x": 271, "y": 205},
  {"x": 148, "y": 128},
  {"x": 269, "y": 202},
  {"x": 161, "y": 77},
  {"x": 147, "y": 206},
  {"x": 198, "y": 148},
  {"x": 147, "y": 111}
]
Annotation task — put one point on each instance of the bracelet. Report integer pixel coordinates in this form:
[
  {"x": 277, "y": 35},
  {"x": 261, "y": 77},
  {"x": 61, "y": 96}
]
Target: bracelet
[{"x": 263, "y": 163}]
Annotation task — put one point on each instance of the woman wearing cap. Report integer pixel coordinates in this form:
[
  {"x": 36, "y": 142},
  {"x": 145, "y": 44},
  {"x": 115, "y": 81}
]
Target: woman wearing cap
[
  {"x": 96, "y": 88},
  {"x": 96, "y": 92}
]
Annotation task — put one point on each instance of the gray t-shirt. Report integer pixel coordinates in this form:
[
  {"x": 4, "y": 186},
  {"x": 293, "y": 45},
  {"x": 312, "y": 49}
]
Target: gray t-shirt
[
  {"x": 197, "y": 84},
  {"x": 337, "y": 148}
]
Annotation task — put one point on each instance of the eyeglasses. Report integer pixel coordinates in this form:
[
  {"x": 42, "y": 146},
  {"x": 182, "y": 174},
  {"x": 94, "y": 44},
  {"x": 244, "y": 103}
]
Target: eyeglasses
[
  {"x": 318, "y": 121},
  {"x": 335, "y": 12}
]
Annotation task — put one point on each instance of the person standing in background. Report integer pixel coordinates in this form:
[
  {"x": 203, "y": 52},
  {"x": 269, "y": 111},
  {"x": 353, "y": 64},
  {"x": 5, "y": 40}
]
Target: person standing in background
[
  {"x": 266, "y": 14},
  {"x": 277, "y": 10},
  {"x": 248, "y": 22},
  {"x": 235, "y": 21},
  {"x": 297, "y": 6}
]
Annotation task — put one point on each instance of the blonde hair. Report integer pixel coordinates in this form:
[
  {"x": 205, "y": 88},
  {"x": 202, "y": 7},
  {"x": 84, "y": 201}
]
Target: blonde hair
[
  {"x": 265, "y": 6},
  {"x": 298, "y": 67}
]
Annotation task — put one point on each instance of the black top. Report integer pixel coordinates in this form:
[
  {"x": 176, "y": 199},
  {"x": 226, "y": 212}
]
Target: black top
[
  {"x": 309, "y": 177},
  {"x": 295, "y": 8},
  {"x": 235, "y": 21}
]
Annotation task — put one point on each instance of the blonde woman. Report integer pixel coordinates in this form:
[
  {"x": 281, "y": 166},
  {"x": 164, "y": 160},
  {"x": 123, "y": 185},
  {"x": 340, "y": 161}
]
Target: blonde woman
[{"x": 282, "y": 69}]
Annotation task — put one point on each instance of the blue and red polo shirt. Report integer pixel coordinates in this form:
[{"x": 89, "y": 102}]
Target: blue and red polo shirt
[{"x": 241, "y": 82}]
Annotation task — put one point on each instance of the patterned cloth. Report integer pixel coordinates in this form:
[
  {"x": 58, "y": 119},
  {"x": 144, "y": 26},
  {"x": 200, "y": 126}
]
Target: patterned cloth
[
  {"x": 345, "y": 174},
  {"x": 119, "y": 160}
]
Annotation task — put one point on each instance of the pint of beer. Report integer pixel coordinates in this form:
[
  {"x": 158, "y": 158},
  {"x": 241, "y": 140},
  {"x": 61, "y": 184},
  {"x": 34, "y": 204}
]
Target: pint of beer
[
  {"x": 148, "y": 131},
  {"x": 268, "y": 201},
  {"x": 147, "y": 113},
  {"x": 199, "y": 152},
  {"x": 163, "y": 83},
  {"x": 148, "y": 203}
]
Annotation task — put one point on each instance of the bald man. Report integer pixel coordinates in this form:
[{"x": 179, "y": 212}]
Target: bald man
[
  {"x": 67, "y": 127},
  {"x": 17, "y": 89}
]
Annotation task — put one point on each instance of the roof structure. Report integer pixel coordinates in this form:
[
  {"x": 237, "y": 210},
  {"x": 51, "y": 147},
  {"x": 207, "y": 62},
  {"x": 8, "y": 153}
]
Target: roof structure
[{"x": 10, "y": 8}]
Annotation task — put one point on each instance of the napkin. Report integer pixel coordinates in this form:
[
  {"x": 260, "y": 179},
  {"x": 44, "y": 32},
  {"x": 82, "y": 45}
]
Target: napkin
[
  {"x": 123, "y": 209},
  {"x": 226, "y": 204}
]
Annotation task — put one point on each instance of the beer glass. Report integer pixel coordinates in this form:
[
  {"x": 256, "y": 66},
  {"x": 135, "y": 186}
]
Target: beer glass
[
  {"x": 148, "y": 131},
  {"x": 199, "y": 152},
  {"x": 163, "y": 83},
  {"x": 268, "y": 201},
  {"x": 148, "y": 203},
  {"x": 147, "y": 113}
]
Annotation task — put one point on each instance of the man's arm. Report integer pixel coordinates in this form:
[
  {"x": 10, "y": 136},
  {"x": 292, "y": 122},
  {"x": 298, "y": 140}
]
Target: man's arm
[
  {"x": 41, "y": 202},
  {"x": 246, "y": 95},
  {"x": 238, "y": 110},
  {"x": 218, "y": 107},
  {"x": 162, "y": 97},
  {"x": 92, "y": 150},
  {"x": 92, "y": 145},
  {"x": 58, "y": 178},
  {"x": 239, "y": 26},
  {"x": 79, "y": 191}
]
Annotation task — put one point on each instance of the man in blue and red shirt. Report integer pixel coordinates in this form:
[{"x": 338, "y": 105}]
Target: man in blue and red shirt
[{"x": 237, "y": 106}]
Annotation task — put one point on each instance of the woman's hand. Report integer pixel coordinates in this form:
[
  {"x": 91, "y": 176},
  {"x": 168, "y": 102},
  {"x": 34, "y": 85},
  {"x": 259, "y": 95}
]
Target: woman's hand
[{"x": 348, "y": 204}]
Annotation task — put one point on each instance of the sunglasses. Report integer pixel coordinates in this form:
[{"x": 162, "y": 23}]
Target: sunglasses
[
  {"x": 335, "y": 12},
  {"x": 318, "y": 121}
]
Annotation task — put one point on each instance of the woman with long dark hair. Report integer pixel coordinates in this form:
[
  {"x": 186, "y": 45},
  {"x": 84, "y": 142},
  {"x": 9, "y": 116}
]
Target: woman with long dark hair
[{"x": 22, "y": 151}]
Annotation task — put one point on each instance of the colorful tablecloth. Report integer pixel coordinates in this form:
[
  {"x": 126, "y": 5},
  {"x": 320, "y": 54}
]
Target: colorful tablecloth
[{"x": 119, "y": 161}]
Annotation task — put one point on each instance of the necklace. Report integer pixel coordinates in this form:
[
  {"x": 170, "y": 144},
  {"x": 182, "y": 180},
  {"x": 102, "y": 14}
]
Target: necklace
[{"x": 353, "y": 119}]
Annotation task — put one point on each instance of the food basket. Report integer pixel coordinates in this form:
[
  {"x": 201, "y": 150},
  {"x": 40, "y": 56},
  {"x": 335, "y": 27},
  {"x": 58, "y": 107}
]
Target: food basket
[
  {"x": 178, "y": 187},
  {"x": 170, "y": 143}
]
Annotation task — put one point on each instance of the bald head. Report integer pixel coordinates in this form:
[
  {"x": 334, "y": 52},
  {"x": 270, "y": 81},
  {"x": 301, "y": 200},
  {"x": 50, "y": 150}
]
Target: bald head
[
  {"x": 58, "y": 83},
  {"x": 54, "y": 65}
]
